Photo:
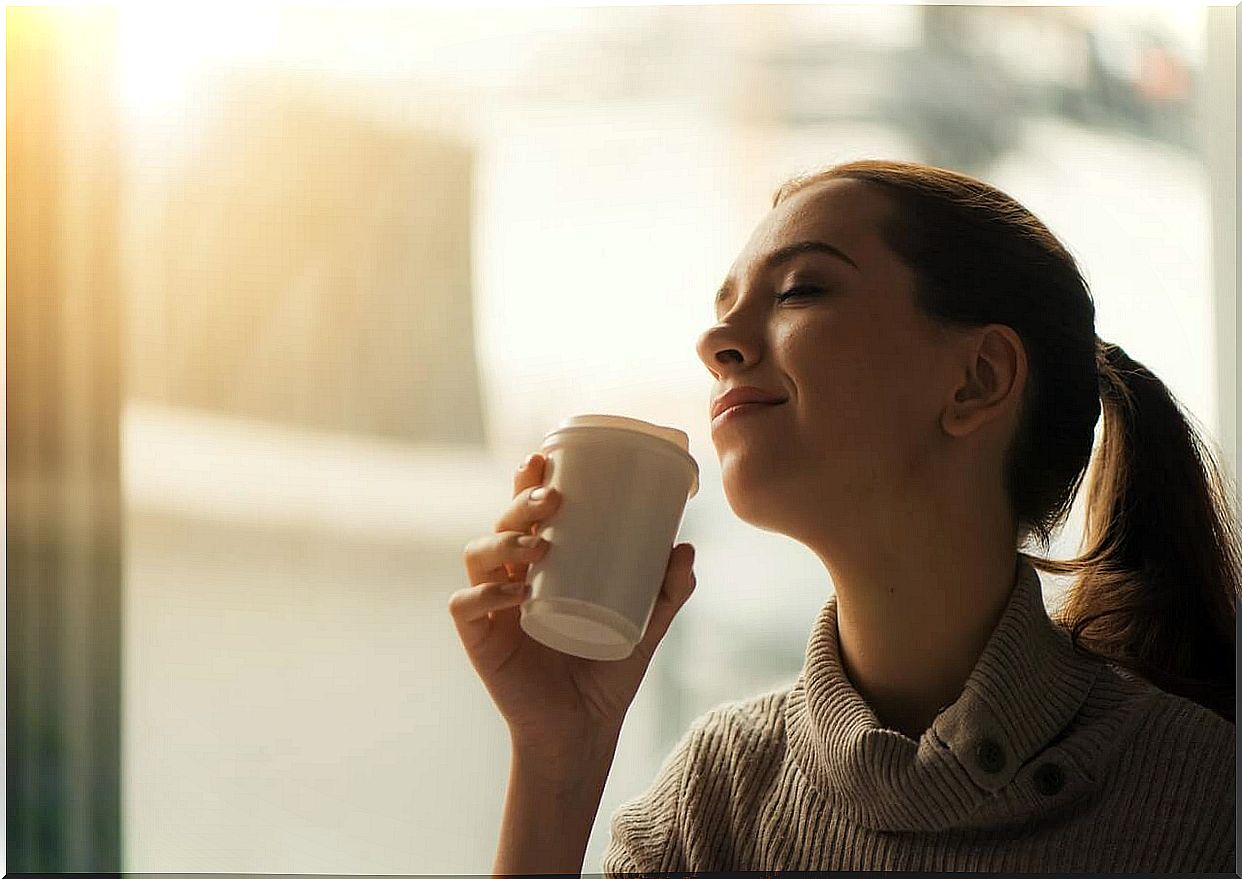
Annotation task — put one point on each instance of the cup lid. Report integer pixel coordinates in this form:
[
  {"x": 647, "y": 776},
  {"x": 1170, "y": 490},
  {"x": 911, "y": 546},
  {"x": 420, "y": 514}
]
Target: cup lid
[{"x": 679, "y": 438}]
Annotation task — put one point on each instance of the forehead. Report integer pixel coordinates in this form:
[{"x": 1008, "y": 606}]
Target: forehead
[{"x": 844, "y": 213}]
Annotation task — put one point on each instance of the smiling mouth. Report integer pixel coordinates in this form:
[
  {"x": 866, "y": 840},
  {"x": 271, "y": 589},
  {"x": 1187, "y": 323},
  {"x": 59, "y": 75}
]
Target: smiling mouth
[{"x": 738, "y": 410}]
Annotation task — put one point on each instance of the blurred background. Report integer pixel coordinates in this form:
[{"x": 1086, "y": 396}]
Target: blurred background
[{"x": 291, "y": 292}]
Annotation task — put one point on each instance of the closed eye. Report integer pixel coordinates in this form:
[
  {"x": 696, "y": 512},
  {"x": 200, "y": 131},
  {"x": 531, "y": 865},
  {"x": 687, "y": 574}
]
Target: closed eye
[{"x": 798, "y": 291}]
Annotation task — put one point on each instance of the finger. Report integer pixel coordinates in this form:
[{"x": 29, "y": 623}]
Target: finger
[
  {"x": 502, "y": 556},
  {"x": 679, "y": 582},
  {"x": 529, "y": 473},
  {"x": 526, "y": 513},
  {"x": 522, "y": 517},
  {"x": 471, "y": 606}
]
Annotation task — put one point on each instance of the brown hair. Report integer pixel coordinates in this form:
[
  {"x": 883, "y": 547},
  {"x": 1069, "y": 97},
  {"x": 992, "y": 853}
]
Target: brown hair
[{"x": 1154, "y": 591}]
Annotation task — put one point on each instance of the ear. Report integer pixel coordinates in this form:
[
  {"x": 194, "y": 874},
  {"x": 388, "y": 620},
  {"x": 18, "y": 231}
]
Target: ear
[{"x": 991, "y": 378}]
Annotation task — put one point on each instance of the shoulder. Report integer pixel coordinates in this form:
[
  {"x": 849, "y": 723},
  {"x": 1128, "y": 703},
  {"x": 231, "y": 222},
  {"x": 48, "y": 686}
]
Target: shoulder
[
  {"x": 1167, "y": 721},
  {"x": 656, "y": 830},
  {"x": 729, "y": 738},
  {"x": 1138, "y": 723},
  {"x": 734, "y": 752},
  {"x": 731, "y": 730},
  {"x": 1176, "y": 759},
  {"x": 1181, "y": 726},
  {"x": 755, "y": 715}
]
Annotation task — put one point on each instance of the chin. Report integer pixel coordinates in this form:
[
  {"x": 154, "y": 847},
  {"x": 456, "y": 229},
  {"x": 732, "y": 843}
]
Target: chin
[
  {"x": 771, "y": 520},
  {"x": 757, "y": 499}
]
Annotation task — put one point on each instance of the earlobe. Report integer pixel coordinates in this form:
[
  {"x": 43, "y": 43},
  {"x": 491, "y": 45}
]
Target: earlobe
[{"x": 961, "y": 419}]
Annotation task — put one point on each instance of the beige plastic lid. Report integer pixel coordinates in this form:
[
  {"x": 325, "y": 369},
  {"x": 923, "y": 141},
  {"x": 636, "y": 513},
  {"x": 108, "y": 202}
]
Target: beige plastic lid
[{"x": 672, "y": 435}]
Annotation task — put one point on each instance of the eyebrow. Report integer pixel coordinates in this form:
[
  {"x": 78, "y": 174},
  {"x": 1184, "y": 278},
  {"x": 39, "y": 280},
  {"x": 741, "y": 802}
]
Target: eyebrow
[{"x": 781, "y": 255}]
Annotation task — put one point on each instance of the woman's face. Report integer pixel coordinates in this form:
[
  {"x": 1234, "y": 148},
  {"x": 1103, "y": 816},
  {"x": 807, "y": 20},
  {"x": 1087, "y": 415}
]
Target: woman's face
[{"x": 865, "y": 375}]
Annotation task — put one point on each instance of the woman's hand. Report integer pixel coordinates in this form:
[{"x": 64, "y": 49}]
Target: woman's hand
[{"x": 552, "y": 702}]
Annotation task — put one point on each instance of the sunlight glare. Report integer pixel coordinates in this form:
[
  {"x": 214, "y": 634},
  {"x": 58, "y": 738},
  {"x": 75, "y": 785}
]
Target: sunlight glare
[{"x": 161, "y": 46}]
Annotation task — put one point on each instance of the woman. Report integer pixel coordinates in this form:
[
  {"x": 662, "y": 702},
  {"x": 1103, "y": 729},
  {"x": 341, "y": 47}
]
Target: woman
[{"x": 933, "y": 352}]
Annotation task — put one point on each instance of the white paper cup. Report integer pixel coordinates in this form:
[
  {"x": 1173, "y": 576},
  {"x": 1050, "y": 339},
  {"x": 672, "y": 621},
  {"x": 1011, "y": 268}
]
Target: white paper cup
[{"x": 624, "y": 484}]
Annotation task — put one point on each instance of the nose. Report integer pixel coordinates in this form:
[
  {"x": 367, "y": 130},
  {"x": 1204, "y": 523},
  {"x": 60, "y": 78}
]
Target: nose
[{"x": 723, "y": 345}]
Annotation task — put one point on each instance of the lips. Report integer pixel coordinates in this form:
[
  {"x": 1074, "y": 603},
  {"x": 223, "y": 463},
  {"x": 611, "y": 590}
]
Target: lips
[
  {"x": 744, "y": 395},
  {"x": 741, "y": 410}
]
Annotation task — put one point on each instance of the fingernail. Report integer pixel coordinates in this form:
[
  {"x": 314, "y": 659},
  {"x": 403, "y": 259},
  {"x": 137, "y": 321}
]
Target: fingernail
[
  {"x": 528, "y": 540},
  {"x": 525, "y": 465},
  {"x": 515, "y": 588},
  {"x": 538, "y": 493}
]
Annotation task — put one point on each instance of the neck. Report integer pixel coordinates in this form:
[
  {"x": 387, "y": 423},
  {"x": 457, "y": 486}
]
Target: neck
[{"x": 916, "y": 610}]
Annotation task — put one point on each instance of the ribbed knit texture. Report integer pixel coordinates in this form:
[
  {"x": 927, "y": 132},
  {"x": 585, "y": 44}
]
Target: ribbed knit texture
[{"x": 1048, "y": 761}]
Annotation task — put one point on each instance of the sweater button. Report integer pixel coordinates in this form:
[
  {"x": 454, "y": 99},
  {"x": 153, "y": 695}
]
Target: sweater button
[
  {"x": 991, "y": 756},
  {"x": 1049, "y": 779}
]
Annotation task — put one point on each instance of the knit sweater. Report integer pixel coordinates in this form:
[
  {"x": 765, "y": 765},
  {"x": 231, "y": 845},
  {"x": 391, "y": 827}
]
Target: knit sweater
[{"x": 1048, "y": 761}]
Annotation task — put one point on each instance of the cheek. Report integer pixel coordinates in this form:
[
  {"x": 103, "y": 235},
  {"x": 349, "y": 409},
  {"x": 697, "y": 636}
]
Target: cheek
[
  {"x": 832, "y": 372},
  {"x": 910, "y": 416},
  {"x": 862, "y": 400},
  {"x": 903, "y": 385}
]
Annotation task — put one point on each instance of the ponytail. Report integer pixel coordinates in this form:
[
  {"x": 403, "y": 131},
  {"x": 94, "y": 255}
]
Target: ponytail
[{"x": 1157, "y": 587}]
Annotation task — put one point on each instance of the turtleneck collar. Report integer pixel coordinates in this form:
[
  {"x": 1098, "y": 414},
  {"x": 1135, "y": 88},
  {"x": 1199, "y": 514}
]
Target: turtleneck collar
[{"x": 986, "y": 759}]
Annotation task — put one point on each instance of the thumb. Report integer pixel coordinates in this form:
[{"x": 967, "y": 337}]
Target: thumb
[{"x": 679, "y": 583}]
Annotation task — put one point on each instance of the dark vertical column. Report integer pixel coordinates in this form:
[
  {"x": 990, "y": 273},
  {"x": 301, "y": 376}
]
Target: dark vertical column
[{"x": 63, "y": 398}]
